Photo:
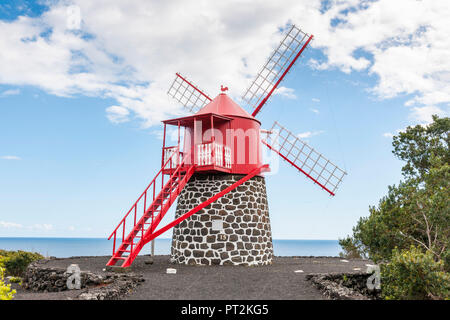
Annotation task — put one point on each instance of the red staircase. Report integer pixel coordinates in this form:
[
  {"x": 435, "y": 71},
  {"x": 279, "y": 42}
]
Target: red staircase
[{"x": 152, "y": 215}]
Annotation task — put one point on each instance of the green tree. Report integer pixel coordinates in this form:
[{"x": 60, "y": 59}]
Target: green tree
[
  {"x": 422, "y": 147},
  {"x": 417, "y": 210}
]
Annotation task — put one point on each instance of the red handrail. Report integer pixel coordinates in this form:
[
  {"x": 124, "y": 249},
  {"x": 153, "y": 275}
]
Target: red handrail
[{"x": 169, "y": 160}]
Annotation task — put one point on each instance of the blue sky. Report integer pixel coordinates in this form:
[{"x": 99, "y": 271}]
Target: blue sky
[{"x": 80, "y": 109}]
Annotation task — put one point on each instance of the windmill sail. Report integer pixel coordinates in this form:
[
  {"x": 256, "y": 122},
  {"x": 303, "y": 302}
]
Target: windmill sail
[
  {"x": 278, "y": 65},
  {"x": 192, "y": 98},
  {"x": 305, "y": 158}
]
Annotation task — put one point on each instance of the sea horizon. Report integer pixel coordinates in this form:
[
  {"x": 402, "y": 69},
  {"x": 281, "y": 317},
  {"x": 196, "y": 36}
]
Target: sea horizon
[{"x": 64, "y": 247}]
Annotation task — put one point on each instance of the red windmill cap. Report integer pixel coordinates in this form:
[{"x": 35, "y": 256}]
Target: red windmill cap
[{"x": 223, "y": 105}]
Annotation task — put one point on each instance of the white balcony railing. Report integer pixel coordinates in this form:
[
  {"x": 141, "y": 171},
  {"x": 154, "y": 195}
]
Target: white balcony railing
[
  {"x": 221, "y": 156},
  {"x": 168, "y": 151}
]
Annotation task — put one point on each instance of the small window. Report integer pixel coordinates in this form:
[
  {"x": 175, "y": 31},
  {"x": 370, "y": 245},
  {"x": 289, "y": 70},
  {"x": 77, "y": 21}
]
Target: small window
[{"x": 217, "y": 225}]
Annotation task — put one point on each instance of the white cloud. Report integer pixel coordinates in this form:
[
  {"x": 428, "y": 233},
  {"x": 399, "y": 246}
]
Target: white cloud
[
  {"x": 159, "y": 134},
  {"x": 316, "y": 111},
  {"x": 423, "y": 114},
  {"x": 315, "y": 100},
  {"x": 309, "y": 134},
  {"x": 117, "y": 114},
  {"x": 408, "y": 55},
  {"x": 285, "y": 92},
  {"x": 10, "y": 92},
  {"x": 129, "y": 51},
  {"x": 35, "y": 227},
  {"x": 41, "y": 227},
  {"x": 5, "y": 224},
  {"x": 391, "y": 135},
  {"x": 10, "y": 158}
]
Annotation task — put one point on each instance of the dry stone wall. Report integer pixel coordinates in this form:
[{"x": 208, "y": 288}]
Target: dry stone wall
[
  {"x": 344, "y": 286},
  {"x": 234, "y": 230},
  {"x": 107, "y": 286}
]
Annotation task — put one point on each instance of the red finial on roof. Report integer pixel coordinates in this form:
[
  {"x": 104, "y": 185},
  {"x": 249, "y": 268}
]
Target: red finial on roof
[{"x": 223, "y": 88}]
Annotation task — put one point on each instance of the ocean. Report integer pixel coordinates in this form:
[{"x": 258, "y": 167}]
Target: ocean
[{"x": 70, "y": 247}]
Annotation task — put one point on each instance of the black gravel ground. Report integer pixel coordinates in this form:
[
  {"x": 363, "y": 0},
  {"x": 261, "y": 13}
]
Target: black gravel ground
[{"x": 277, "y": 281}]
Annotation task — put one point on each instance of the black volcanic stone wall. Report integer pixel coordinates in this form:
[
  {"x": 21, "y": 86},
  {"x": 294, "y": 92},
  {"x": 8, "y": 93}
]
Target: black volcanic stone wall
[{"x": 246, "y": 237}]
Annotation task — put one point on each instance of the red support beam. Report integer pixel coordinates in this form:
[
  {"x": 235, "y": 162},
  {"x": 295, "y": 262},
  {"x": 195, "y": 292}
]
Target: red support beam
[{"x": 263, "y": 168}]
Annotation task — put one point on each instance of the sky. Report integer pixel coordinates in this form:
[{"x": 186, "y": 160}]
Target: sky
[{"x": 83, "y": 92}]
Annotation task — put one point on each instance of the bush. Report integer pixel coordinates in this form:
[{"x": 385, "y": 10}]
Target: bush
[
  {"x": 414, "y": 275},
  {"x": 16, "y": 262},
  {"x": 5, "y": 290},
  {"x": 15, "y": 280}
]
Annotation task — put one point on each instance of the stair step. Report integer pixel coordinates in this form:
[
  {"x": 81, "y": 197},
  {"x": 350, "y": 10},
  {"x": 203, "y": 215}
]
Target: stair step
[
  {"x": 127, "y": 243},
  {"x": 154, "y": 213},
  {"x": 170, "y": 187},
  {"x": 175, "y": 183}
]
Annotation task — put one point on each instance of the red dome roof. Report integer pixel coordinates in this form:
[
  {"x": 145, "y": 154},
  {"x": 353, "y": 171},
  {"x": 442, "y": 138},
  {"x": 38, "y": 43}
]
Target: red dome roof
[{"x": 223, "y": 105}]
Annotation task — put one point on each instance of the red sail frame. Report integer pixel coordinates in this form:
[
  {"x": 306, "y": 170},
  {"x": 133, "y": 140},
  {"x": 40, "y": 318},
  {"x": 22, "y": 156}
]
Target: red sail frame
[
  {"x": 191, "y": 97},
  {"x": 276, "y": 68},
  {"x": 304, "y": 158}
]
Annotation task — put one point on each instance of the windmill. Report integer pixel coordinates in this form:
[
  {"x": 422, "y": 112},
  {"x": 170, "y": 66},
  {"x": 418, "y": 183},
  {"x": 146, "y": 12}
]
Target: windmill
[{"x": 216, "y": 173}]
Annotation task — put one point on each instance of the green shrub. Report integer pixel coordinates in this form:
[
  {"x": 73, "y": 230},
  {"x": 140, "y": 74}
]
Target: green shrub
[
  {"x": 16, "y": 262},
  {"x": 3, "y": 260},
  {"x": 5, "y": 290},
  {"x": 414, "y": 275},
  {"x": 15, "y": 280}
]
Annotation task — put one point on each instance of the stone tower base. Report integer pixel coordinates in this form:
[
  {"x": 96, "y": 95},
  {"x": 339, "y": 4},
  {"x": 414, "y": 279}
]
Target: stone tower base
[{"x": 234, "y": 230}]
